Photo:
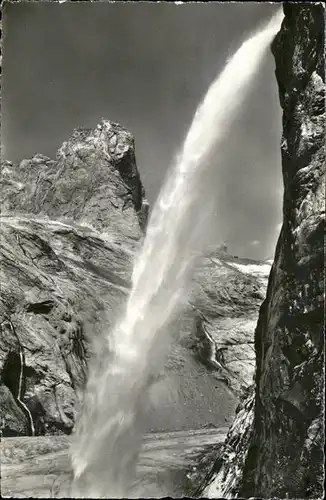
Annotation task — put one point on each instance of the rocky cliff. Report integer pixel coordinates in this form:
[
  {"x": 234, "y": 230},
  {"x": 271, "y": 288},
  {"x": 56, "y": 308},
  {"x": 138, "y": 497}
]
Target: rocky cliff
[
  {"x": 69, "y": 231},
  {"x": 275, "y": 447}
]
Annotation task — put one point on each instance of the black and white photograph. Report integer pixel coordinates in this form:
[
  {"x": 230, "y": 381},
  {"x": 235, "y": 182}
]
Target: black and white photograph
[{"x": 162, "y": 269}]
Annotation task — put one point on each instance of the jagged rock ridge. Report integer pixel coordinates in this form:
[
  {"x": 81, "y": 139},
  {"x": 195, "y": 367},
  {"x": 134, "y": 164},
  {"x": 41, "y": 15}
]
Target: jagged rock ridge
[
  {"x": 283, "y": 457},
  {"x": 94, "y": 173}
]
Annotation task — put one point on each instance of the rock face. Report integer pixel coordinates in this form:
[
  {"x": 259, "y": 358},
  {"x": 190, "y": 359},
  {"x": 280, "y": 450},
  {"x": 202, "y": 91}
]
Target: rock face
[
  {"x": 224, "y": 478},
  {"x": 226, "y": 296},
  {"x": 69, "y": 230},
  {"x": 283, "y": 457},
  {"x": 14, "y": 420},
  {"x": 211, "y": 356}
]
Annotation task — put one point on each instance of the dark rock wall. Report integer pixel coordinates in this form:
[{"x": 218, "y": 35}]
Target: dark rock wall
[
  {"x": 285, "y": 457},
  {"x": 274, "y": 449}
]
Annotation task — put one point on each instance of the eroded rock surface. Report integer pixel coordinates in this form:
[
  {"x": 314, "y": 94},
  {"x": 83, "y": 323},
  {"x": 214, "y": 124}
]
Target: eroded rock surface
[
  {"x": 284, "y": 455},
  {"x": 211, "y": 356},
  {"x": 57, "y": 282},
  {"x": 226, "y": 297}
]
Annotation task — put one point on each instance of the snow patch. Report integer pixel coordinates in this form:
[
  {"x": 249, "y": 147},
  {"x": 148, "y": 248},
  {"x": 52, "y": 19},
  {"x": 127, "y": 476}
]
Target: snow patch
[{"x": 255, "y": 269}]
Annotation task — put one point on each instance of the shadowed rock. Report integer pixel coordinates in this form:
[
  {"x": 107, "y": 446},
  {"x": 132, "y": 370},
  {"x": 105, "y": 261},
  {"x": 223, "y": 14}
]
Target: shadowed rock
[{"x": 283, "y": 457}]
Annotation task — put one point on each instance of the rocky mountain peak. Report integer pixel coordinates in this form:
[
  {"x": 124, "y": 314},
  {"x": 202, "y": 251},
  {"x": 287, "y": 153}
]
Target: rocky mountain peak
[{"x": 94, "y": 180}]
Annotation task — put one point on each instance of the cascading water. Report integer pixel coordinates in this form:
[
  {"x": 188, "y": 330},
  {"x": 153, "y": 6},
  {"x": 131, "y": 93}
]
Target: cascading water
[{"x": 107, "y": 437}]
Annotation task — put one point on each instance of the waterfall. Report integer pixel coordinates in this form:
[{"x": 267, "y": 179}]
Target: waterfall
[{"x": 107, "y": 437}]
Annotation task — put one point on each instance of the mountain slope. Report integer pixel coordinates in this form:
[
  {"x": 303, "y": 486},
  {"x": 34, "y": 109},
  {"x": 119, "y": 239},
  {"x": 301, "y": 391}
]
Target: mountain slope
[
  {"x": 211, "y": 357},
  {"x": 69, "y": 230}
]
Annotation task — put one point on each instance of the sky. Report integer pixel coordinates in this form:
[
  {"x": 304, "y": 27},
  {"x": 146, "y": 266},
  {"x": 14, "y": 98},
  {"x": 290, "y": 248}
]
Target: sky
[{"x": 147, "y": 66}]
